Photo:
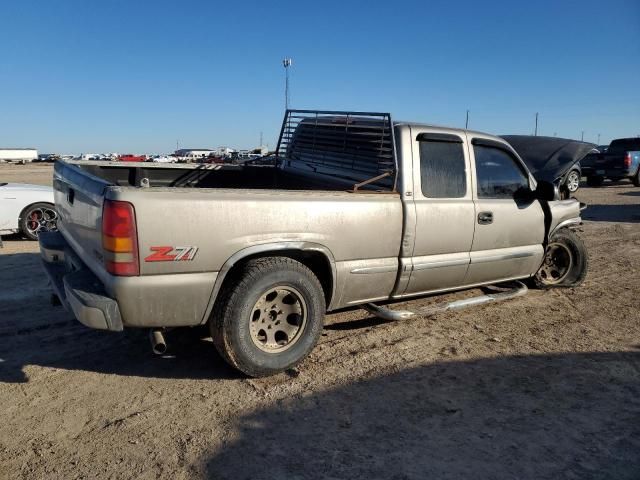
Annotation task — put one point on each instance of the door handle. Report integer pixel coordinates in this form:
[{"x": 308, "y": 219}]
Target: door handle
[{"x": 485, "y": 218}]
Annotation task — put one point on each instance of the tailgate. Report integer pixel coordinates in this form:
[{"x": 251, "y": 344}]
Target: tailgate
[
  {"x": 79, "y": 196},
  {"x": 607, "y": 160}
]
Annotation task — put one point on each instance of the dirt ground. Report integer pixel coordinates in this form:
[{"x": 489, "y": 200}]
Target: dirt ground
[{"x": 546, "y": 386}]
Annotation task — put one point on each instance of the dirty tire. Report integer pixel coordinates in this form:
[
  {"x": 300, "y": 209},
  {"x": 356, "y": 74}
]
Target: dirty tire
[
  {"x": 577, "y": 270},
  {"x": 595, "y": 181},
  {"x": 234, "y": 311},
  {"x": 636, "y": 178}
]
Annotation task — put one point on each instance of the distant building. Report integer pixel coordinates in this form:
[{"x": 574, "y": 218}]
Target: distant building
[{"x": 21, "y": 155}]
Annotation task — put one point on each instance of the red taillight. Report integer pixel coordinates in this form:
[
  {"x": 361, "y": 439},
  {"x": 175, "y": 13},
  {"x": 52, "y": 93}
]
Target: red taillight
[
  {"x": 120, "y": 239},
  {"x": 627, "y": 160}
]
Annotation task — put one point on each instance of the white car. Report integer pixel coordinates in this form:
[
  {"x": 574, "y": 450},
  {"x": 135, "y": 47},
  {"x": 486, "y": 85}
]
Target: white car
[
  {"x": 28, "y": 209},
  {"x": 163, "y": 159}
]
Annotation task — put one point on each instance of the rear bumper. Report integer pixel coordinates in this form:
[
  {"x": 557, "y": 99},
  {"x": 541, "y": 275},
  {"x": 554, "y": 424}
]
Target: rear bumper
[
  {"x": 78, "y": 289},
  {"x": 615, "y": 172},
  {"x": 110, "y": 302}
]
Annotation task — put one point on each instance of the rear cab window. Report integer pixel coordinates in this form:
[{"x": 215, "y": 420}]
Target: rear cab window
[
  {"x": 442, "y": 166},
  {"x": 622, "y": 146}
]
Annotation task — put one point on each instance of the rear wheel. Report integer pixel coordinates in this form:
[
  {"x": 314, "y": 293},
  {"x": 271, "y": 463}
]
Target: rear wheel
[
  {"x": 565, "y": 261},
  {"x": 270, "y": 317},
  {"x": 36, "y": 218},
  {"x": 636, "y": 178},
  {"x": 595, "y": 181}
]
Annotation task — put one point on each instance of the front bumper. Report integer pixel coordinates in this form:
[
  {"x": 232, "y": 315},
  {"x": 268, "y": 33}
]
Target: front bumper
[{"x": 78, "y": 289}]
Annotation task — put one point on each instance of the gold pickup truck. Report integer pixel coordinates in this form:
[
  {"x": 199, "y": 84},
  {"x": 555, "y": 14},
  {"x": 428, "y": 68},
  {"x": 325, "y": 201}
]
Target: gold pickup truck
[{"x": 351, "y": 208}]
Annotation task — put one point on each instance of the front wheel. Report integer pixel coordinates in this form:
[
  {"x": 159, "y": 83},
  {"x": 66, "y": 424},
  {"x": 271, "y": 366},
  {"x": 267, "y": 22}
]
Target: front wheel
[
  {"x": 37, "y": 218},
  {"x": 565, "y": 261},
  {"x": 270, "y": 318},
  {"x": 573, "y": 181}
]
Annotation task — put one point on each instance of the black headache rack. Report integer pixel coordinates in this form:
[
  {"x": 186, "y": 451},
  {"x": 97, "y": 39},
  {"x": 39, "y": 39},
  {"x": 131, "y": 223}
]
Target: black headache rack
[{"x": 354, "y": 148}]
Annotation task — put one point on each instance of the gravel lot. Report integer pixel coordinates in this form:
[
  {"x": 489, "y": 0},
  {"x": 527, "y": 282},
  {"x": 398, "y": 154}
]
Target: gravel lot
[{"x": 546, "y": 386}]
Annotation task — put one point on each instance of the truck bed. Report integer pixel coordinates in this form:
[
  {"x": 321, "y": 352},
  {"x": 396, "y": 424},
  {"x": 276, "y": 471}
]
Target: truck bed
[
  {"x": 213, "y": 176},
  {"x": 222, "y": 210}
]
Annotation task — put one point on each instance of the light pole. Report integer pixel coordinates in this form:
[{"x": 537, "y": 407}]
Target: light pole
[
  {"x": 598, "y": 139},
  {"x": 535, "y": 133},
  {"x": 466, "y": 123},
  {"x": 582, "y": 136},
  {"x": 286, "y": 63}
]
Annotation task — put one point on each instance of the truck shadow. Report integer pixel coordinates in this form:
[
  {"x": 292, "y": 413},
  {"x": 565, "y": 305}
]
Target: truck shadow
[
  {"x": 32, "y": 332},
  {"x": 70, "y": 346},
  {"x": 527, "y": 417},
  {"x": 612, "y": 213}
]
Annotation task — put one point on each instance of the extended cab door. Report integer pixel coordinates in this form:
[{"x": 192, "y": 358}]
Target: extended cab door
[
  {"x": 509, "y": 223},
  {"x": 444, "y": 210}
]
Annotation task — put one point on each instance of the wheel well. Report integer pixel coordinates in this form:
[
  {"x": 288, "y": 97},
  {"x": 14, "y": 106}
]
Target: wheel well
[{"x": 315, "y": 261}]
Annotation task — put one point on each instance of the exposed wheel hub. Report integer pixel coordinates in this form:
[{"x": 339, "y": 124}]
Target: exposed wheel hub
[{"x": 557, "y": 263}]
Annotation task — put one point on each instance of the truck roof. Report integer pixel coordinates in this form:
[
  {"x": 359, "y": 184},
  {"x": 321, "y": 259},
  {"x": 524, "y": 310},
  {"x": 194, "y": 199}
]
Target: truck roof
[{"x": 445, "y": 128}]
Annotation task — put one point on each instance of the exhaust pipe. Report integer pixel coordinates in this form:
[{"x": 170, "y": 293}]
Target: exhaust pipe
[{"x": 158, "y": 344}]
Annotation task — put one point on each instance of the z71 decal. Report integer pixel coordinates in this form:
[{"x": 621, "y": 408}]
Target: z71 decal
[{"x": 172, "y": 254}]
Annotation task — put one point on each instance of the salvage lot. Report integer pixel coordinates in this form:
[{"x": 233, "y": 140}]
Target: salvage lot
[{"x": 544, "y": 386}]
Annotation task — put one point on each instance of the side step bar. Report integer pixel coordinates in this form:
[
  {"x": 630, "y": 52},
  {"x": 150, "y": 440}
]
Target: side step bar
[{"x": 518, "y": 289}]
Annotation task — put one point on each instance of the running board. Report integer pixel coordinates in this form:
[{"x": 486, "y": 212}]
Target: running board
[{"x": 519, "y": 289}]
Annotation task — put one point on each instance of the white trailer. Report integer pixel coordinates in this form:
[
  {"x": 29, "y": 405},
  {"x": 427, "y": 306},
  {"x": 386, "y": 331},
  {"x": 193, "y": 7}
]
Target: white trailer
[{"x": 19, "y": 155}]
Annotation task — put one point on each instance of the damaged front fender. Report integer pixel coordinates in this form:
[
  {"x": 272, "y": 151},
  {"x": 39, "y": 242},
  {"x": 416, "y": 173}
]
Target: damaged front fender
[{"x": 562, "y": 213}]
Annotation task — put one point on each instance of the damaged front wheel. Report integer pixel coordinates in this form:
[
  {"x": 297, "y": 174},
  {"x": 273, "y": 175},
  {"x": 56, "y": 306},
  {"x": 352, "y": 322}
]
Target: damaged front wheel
[{"x": 565, "y": 261}]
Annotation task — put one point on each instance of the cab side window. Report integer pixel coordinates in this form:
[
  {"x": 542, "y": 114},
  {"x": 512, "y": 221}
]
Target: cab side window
[
  {"x": 442, "y": 166},
  {"x": 498, "y": 175}
]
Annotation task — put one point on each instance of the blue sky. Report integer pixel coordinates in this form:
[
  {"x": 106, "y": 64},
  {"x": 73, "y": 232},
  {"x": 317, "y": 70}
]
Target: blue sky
[{"x": 135, "y": 76}]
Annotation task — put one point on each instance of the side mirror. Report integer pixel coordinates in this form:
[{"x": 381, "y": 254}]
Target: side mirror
[{"x": 547, "y": 191}]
